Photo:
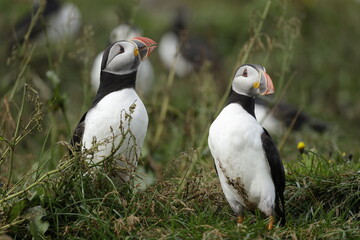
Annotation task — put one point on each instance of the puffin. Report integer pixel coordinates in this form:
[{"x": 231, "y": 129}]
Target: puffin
[
  {"x": 246, "y": 158},
  {"x": 188, "y": 52},
  {"x": 145, "y": 75},
  {"x": 115, "y": 126},
  {"x": 58, "y": 22},
  {"x": 277, "y": 117}
]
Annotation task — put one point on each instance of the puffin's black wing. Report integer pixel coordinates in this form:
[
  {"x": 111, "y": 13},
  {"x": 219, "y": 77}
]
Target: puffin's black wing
[
  {"x": 78, "y": 134},
  {"x": 277, "y": 173}
]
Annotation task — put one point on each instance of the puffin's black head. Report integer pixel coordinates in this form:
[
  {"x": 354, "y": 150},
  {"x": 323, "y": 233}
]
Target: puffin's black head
[
  {"x": 180, "y": 21},
  {"x": 124, "y": 57},
  {"x": 252, "y": 80}
]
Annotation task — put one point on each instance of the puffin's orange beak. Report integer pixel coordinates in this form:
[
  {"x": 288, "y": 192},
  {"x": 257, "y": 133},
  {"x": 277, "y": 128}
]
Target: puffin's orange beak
[
  {"x": 145, "y": 46},
  {"x": 266, "y": 84}
]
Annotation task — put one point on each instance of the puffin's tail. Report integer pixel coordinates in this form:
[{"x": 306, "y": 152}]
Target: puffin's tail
[{"x": 280, "y": 207}]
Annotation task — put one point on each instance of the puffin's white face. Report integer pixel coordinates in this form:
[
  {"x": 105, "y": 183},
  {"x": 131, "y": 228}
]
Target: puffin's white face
[
  {"x": 252, "y": 80},
  {"x": 124, "y": 57},
  {"x": 121, "y": 58}
]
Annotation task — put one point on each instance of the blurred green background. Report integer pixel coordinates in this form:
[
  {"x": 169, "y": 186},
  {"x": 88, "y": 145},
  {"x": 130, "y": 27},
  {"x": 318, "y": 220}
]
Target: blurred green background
[{"x": 310, "y": 49}]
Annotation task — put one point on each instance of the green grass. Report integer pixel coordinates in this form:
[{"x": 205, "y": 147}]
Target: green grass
[
  {"x": 310, "y": 54},
  {"x": 322, "y": 202}
]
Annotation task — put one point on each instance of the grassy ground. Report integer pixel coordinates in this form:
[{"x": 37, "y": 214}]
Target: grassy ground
[{"x": 310, "y": 49}]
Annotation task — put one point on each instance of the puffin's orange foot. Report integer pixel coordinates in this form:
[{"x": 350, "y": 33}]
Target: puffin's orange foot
[
  {"x": 239, "y": 220},
  {"x": 271, "y": 223}
]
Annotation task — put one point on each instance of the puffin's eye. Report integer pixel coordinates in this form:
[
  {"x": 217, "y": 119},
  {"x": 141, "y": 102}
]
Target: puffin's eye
[
  {"x": 121, "y": 49},
  {"x": 244, "y": 73}
]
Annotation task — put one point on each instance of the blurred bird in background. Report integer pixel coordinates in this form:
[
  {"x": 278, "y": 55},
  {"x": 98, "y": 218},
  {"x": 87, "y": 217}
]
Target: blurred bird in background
[
  {"x": 278, "y": 117},
  {"x": 49, "y": 25},
  {"x": 185, "y": 52},
  {"x": 58, "y": 22}
]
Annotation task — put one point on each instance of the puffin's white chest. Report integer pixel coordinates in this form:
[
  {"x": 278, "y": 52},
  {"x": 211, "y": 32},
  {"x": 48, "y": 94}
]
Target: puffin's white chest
[
  {"x": 235, "y": 134},
  {"x": 235, "y": 143},
  {"x": 107, "y": 125}
]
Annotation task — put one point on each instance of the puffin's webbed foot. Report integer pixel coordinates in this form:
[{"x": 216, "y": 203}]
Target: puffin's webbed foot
[
  {"x": 239, "y": 220},
  {"x": 271, "y": 223}
]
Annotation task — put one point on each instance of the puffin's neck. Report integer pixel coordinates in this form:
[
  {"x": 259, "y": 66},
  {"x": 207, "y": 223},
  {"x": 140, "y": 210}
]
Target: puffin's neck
[
  {"x": 110, "y": 82},
  {"x": 248, "y": 103}
]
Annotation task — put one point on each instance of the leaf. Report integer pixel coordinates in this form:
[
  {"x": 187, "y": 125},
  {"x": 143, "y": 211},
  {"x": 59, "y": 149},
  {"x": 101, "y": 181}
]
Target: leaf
[
  {"x": 37, "y": 226},
  {"x": 18, "y": 208}
]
